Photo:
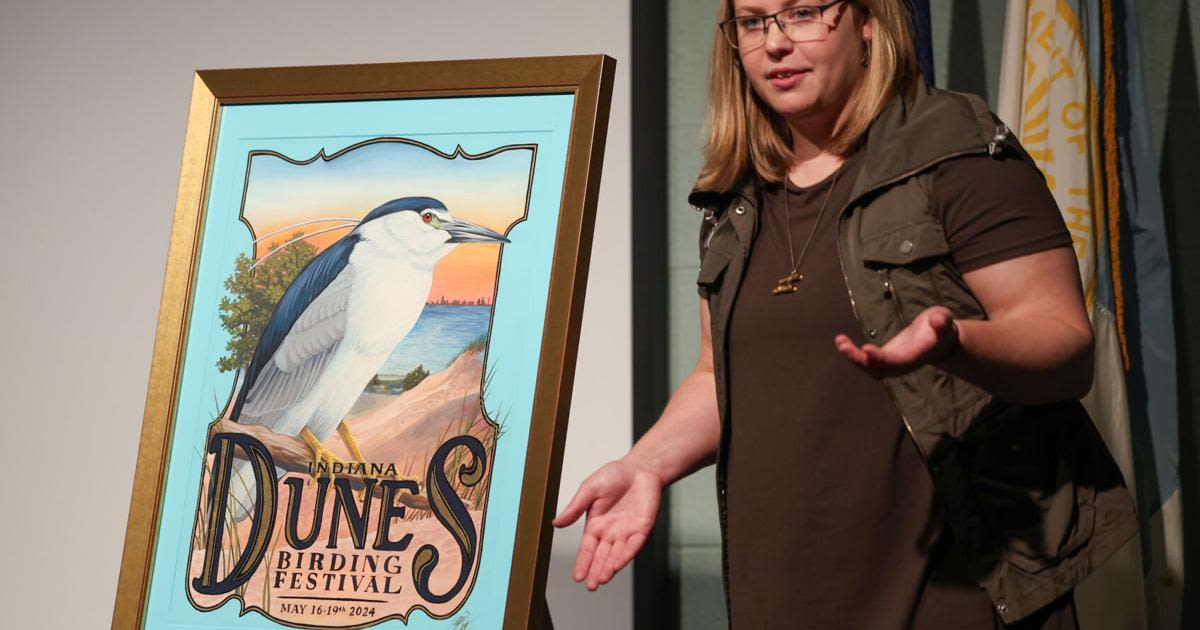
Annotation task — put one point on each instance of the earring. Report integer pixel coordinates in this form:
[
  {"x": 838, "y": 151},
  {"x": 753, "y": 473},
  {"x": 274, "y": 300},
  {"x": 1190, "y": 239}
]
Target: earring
[{"x": 866, "y": 56}]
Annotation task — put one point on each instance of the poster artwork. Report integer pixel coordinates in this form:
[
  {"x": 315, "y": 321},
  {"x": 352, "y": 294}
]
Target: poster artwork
[{"x": 346, "y": 477}]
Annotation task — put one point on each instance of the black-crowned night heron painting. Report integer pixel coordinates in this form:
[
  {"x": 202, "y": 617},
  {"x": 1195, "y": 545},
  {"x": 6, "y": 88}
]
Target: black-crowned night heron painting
[{"x": 339, "y": 321}]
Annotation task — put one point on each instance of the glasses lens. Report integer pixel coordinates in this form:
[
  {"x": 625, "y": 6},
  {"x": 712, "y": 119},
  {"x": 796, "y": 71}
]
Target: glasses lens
[
  {"x": 806, "y": 31},
  {"x": 730, "y": 30},
  {"x": 802, "y": 24},
  {"x": 744, "y": 33}
]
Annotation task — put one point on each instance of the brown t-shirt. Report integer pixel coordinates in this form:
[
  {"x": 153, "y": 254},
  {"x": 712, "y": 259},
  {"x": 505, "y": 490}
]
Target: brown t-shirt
[{"x": 832, "y": 518}]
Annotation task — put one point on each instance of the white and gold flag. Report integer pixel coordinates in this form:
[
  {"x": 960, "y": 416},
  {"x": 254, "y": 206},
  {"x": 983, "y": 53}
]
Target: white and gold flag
[{"x": 1072, "y": 90}]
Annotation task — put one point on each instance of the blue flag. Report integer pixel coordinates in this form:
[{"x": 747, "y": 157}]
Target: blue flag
[{"x": 924, "y": 39}]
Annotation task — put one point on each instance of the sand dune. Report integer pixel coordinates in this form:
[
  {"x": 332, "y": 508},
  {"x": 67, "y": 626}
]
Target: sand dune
[{"x": 391, "y": 429}]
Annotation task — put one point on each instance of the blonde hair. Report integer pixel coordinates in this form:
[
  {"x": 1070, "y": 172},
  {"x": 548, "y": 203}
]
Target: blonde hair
[{"x": 746, "y": 135}]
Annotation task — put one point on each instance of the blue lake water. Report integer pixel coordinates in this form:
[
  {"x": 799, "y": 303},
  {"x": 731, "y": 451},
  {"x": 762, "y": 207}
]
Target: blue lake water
[{"x": 439, "y": 335}]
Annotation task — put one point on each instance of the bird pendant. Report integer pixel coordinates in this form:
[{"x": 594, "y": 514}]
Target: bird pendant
[{"x": 787, "y": 284}]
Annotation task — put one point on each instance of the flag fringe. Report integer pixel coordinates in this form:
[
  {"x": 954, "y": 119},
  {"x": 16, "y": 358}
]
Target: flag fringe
[{"x": 1112, "y": 176}]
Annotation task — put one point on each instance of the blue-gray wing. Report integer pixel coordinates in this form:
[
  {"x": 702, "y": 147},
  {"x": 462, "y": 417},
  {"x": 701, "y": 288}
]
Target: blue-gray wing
[
  {"x": 301, "y": 356},
  {"x": 307, "y": 334}
]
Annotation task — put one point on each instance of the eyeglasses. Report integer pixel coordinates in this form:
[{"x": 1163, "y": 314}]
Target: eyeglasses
[{"x": 799, "y": 24}]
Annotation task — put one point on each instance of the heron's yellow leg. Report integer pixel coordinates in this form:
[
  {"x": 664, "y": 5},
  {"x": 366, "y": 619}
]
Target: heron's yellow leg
[
  {"x": 351, "y": 444},
  {"x": 320, "y": 454}
]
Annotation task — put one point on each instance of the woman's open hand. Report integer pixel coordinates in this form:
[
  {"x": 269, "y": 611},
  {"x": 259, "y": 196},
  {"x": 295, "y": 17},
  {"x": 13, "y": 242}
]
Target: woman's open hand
[
  {"x": 930, "y": 337},
  {"x": 621, "y": 500}
]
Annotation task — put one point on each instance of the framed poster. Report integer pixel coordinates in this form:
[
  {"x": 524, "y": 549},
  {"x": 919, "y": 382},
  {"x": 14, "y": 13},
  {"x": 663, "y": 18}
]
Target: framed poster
[{"x": 365, "y": 348}]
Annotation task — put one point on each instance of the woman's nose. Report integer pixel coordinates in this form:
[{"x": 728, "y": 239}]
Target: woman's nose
[{"x": 776, "y": 42}]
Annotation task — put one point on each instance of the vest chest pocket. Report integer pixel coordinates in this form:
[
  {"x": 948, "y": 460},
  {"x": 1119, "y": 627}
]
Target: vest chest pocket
[
  {"x": 901, "y": 256},
  {"x": 712, "y": 271},
  {"x": 722, "y": 247},
  {"x": 905, "y": 244}
]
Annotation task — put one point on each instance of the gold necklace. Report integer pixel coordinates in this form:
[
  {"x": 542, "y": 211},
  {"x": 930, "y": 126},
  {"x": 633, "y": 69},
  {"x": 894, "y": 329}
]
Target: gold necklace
[{"x": 787, "y": 284}]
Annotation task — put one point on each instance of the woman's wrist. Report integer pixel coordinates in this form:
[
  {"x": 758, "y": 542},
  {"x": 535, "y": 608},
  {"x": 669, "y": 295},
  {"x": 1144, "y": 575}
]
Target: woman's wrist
[
  {"x": 639, "y": 461},
  {"x": 953, "y": 346}
]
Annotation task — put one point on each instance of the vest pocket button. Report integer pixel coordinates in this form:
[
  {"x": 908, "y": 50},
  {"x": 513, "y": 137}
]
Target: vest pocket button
[
  {"x": 871, "y": 333},
  {"x": 740, "y": 210},
  {"x": 906, "y": 246}
]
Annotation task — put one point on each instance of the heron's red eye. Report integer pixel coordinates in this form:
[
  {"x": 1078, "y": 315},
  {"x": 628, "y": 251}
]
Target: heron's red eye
[{"x": 427, "y": 217}]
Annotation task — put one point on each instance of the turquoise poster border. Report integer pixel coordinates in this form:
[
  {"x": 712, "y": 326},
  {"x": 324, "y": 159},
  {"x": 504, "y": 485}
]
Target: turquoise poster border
[{"x": 476, "y": 124}]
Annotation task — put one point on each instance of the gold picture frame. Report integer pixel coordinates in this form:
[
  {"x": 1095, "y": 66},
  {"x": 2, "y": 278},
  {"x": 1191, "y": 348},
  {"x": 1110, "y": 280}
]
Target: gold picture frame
[{"x": 587, "y": 81}]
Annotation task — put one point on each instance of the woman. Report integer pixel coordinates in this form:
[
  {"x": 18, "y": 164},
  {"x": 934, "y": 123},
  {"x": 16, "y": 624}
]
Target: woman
[{"x": 892, "y": 401}]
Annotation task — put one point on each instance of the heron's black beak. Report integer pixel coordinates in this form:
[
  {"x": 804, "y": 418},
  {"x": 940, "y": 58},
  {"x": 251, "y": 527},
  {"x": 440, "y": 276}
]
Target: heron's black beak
[{"x": 465, "y": 232}]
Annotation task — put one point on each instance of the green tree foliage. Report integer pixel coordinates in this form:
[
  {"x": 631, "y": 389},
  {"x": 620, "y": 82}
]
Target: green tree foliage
[
  {"x": 414, "y": 377},
  {"x": 252, "y": 296}
]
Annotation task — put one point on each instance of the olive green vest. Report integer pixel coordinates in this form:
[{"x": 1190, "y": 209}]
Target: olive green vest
[{"x": 1032, "y": 489}]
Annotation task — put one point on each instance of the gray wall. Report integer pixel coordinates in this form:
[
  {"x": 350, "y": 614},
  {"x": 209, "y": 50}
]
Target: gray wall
[
  {"x": 92, "y": 116},
  {"x": 967, "y": 42}
]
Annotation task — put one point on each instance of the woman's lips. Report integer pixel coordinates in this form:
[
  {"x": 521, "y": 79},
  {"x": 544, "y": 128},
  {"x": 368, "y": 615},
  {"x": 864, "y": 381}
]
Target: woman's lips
[{"x": 785, "y": 81}]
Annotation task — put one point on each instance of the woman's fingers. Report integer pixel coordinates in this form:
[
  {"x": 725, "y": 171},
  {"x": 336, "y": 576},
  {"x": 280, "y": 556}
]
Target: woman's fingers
[
  {"x": 598, "y": 565},
  {"x": 903, "y": 352},
  {"x": 875, "y": 354},
  {"x": 636, "y": 540},
  {"x": 583, "y": 559},
  {"x": 615, "y": 559},
  {"x": 629, "y": 548},
  {"x": 851, "y": 351},
  {"x": 579, "y": 503},
  {"x": 619, "y": 512},
  {"x": 939, "y": 318},
  {"x": 610, "y": 559}
]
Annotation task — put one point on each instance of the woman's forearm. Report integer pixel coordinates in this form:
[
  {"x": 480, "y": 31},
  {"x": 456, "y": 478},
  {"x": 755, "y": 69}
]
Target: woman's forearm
[
  {"x": 685, "y": 437},
  {"x": 1036, "y": 344},
  {"x": 1029, "y": 359}
]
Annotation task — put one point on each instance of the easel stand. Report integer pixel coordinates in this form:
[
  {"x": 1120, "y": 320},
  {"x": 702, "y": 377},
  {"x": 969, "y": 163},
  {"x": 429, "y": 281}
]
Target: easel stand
[{"x": 541, "y": 619}]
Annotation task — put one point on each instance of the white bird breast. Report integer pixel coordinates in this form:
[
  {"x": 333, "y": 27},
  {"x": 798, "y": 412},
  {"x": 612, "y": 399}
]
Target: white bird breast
[
  {"x": 384, "y": 296},
  {"x": 387, "y": 296}
]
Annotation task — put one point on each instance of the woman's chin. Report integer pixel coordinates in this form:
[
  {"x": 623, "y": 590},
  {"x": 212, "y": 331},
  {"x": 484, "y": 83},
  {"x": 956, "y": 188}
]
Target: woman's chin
[
  {"x": 802, "y": 107},
  {"x": 797, "y": 111}
]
